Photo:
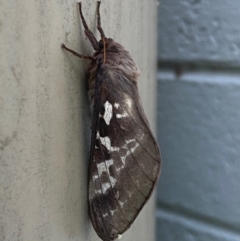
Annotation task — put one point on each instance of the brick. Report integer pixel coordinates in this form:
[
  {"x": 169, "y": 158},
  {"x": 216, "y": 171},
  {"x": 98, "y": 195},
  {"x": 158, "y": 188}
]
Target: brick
[
  {"x": 199, "y": 31},
  {"x": 172, "y": 227},
  {"x": 199, "y": 136}
]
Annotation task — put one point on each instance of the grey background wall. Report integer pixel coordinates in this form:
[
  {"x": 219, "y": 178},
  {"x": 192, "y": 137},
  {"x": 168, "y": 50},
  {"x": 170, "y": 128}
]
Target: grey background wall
[
  {"x": 45, "y": 115},
  {"x": 199, "y": 120}
]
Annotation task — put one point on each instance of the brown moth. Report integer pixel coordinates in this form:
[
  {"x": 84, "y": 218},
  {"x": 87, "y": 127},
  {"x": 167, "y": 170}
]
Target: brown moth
[{"x": 125, "y": 159}]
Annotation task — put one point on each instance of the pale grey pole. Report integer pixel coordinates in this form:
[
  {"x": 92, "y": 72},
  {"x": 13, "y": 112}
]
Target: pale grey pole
[{"x": 45, "y": 116}]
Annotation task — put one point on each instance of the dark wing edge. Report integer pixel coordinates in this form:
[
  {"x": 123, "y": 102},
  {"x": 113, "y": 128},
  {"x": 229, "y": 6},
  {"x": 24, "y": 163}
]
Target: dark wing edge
[{"x": 123, "y": 137}]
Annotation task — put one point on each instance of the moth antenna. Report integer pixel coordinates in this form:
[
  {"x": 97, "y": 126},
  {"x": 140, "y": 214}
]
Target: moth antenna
[
  {"x": 87, "y": 31},
  {"x": 104, "y": 50},
  {"x": 77, "y": 54},
  {"x": 81, "y": 15},
  {"x": 99, "y": 27}
]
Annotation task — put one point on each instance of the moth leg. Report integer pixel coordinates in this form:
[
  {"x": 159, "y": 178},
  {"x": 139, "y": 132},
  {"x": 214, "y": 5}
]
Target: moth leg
[
  {"x": 99, "y": 27},
  {"x": 77, "y": 54},
  {"x": 88, "y": 32}
]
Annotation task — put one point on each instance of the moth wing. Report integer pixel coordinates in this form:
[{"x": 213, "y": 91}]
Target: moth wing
[{"x": 125, "y": 160}]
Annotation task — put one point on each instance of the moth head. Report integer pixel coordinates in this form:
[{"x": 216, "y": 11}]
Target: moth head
[{"x": 108, "y": 45}]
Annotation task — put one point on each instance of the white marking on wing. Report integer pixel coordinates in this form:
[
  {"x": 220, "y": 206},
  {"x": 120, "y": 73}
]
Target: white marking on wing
[
  {"x": 108, "y": 112},
  {"x": 107, "y": 143},
  {"x": 116, "y": 105},
  {"x": 134, "y": 148},
  {"x": 101, "y": 168},
  {"x": 109, "y": 163},
  {"x": 112, "y": 179},
  {"x": 104, "y": 167},
  {"x": 121, "y": 203},
  {"x": 130, "y": 140},
  {"x": 105, "y": 186},
  {"x": 123, "y": 158},
  {"x": 105, "y": 215},
  {"x": 117, "y": 195},
  {"x": 129, "y": 102},
  {"x": 119, "y": 236},
  {"x": 95, "y": 177},
  {"x": 98, "y": 191},
  {"x": 112, "y": 211},
  {"x": 121, "y": 115},
  {"x": 120, "y": 168}
]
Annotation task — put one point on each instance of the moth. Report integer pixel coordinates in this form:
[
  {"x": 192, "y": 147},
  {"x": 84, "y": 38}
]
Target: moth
[{"x": 125, "y": 160}]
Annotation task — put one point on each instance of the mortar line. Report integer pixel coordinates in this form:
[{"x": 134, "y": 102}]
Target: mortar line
[{"x": 199, "y": 219}]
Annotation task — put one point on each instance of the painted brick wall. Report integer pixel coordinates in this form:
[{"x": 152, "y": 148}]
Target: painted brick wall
[{"x": 199, "y": 120}]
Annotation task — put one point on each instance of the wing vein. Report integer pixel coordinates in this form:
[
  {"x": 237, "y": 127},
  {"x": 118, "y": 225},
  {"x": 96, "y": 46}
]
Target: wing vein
[
  {"x": 122, "y": 187},
  {"x": 108, "y": 211},
  {"x": 95, "y": 122},
  {"x": 116, "y": 201},
  {"x": 93, "y": 140},
  {"x": 154, "y": 158},
  {"x": 146, "y": 132},
  {"x": 133, "y": 155},
  {"x": 133, "y": 181}
]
